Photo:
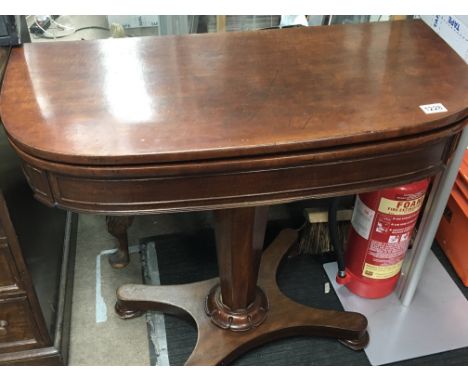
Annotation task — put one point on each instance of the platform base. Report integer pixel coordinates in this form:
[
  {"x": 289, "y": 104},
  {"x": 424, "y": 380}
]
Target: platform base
[
  {"x": 217, "y": 346},
  {"x": 436, "y": 321}
]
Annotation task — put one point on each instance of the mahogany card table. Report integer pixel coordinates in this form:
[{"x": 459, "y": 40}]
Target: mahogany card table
[{"x": 234, "y": 122}]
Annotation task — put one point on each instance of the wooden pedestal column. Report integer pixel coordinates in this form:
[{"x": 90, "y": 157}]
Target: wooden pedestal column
[{"x": 237, "y": 303}]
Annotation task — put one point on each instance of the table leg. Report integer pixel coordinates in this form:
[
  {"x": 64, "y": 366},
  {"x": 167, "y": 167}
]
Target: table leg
[
  {"x": 117, "y": 226},
  {"x": 244, "y": 307},
  {"x": 237, "y": 303}
]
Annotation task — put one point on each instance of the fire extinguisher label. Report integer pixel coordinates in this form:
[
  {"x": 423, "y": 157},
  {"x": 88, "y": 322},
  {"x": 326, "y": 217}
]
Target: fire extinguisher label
[
  {"x": 362, "y": 218},
  {"x": 391, "y": 233},
  {"x": 400, "y": 207},
  {"x": 379, "y": 272}
]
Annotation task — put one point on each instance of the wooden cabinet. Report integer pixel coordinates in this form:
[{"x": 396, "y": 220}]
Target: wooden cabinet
[
  {"x": 22, "y": 326},
  {"x": 31, "y": 331},
  {"x": 9, "y": 275},
  {"x": 18, "y": 329},
  {"x": 36, "y": 267}
]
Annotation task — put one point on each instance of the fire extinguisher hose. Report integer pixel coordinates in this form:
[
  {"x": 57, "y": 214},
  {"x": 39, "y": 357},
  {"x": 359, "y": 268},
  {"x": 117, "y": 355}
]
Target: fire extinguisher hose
[{"x": 334, "y": 238}]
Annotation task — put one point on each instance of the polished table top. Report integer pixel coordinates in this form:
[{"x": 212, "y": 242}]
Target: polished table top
[
  {"x": 179, "y": 98},
  {"x": 225, "y": 120}
]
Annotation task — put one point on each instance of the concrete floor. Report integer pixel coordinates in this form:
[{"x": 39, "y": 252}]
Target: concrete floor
[{"x": 113, "y": 341}]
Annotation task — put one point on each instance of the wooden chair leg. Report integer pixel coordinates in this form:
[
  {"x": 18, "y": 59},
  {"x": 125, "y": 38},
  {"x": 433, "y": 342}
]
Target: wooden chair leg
[{"x": 117, "y": 226}]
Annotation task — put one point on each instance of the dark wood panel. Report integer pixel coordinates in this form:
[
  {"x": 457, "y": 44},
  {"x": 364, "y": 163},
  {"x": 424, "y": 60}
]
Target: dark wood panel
[
  {"x": 271, "y": 186},
  {"x": 9, "y": 276},
  {"x": 17, "y": 327},
  {"x": 47, "y": 356},
  {"x": 37, "y": 180},
  {"x": 225, "y": 95},
  {"x": 22, "y": 350},
  {"x": 23, "y": 308}
]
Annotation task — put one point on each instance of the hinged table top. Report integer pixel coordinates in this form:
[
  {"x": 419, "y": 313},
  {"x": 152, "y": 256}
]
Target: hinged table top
[{"x": 226, "y": 95}]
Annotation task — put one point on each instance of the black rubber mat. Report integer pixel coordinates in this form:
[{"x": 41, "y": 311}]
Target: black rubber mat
[{"x": 189, "y": 258}]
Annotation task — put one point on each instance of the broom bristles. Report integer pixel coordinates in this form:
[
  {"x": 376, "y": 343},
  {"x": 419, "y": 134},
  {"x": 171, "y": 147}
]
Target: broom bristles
[{"x": 315, "y": 238}]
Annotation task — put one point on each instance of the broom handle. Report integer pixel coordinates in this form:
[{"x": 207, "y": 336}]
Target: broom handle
[{"x": 334, "y": 239}]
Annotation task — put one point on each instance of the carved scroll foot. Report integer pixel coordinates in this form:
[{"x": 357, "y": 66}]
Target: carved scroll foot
[
  {"x": 358, "y": 344},
  {"x": 125, "y": 313},
  {"x": 117, "y": 226}
]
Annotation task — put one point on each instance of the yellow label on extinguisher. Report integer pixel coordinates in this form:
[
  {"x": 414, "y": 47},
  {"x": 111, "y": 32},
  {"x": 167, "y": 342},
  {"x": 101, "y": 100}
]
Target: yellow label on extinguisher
[
  {"x": 400, "y": 207},
  {"x": 379, "y": 272}
]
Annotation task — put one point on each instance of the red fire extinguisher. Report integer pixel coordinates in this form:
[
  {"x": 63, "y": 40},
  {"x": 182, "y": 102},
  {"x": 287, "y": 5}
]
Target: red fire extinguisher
[{"x": 381, "y": 229}]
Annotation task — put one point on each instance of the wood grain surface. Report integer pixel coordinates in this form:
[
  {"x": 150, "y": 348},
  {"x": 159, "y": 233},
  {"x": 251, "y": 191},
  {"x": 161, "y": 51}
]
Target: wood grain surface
[{"x": 192, "y": 97}]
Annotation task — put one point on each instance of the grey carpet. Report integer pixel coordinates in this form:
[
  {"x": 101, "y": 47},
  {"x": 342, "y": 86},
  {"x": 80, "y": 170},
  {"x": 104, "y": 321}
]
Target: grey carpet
[{"x": 189, "y": 258}]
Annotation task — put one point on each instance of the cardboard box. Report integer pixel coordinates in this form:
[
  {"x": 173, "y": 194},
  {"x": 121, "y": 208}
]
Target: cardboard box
[
  {"x": 453, "y": 30},
  {"x": 134, "y": 21}
]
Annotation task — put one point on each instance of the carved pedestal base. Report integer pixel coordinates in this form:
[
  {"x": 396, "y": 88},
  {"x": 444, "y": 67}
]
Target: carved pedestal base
[
  {"x": 284, "y": 318},
  {"x": 236, "y": 320}
]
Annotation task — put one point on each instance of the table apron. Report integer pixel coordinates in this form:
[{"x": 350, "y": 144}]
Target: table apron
[{"x": 231, "y": 189}]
